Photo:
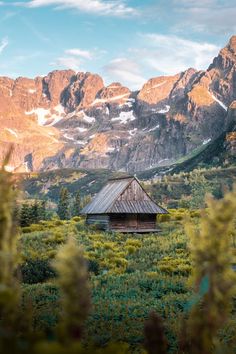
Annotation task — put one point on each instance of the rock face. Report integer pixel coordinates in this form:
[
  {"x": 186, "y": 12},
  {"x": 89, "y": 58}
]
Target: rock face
[{"x": 69, "y": 119}]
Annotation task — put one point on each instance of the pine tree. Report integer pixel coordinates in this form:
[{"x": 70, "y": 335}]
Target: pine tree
[
  {"x": 76, "y": 204},
  {"x": 200, "y": 186},
  {"x": 64, "y": 204},
  {"x": 43, "y": 210},
  {"x": 25, "y": 215},
  {"x": 35, "y": 212}
]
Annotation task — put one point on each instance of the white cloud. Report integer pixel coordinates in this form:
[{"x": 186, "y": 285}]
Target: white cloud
[
  {"x": 100, "y": 7},
  {"x": 208, "y": 16},
  {"x": 125, "y": 70},
  {"x": 74, "y": 58},
  {"x": 3, "y": 44},
  {"x": 68, "y": 63},
  {"x": 170, "y": 54},
  {"x": 86, "y": 54}
]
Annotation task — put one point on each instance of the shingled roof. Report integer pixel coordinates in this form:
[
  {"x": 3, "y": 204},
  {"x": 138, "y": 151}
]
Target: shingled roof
[{"x": 106, "y": 201}]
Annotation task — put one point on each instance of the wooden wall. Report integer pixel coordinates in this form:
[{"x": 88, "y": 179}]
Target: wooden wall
[
  {"x": 132, "y": 221},
  {"x": 123, "y": 221},
  {"x": 100, "y": 220}
]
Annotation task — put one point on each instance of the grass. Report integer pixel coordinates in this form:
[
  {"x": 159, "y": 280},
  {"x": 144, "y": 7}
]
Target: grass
[{"x": 130, "y": 275}]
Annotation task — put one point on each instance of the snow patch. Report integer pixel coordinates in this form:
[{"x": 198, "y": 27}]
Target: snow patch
[
  {"x": 154, "y": 128},
  {"x": 88, "y": 119},
  {"x": 165, "y": 110},
  {"x": 80, "y": 142},
  {"x": 81, "y": 130},
  {"x": 12, "y": 132},
  {"x": 132, "y": 132},
  {"x": 9, "y": 168},
  {"x": 218, "y": 101},
  {"x": 125, "y": 117},
  {"x": 26, "y": 166},
  {"x": 206, "y": 141},
  {"x": 115, "y": 98},
  {"x": 44, "y": 115},
  {"x": 31, "y": 91},
  {"x": 158, "y": 85},
  {"x": 41, "y": 113}
]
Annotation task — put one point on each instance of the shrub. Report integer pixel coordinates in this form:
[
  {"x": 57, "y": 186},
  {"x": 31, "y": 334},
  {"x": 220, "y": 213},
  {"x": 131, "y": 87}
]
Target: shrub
[
  {"x": 164, "y": 218},
  {"x": 93, "y": 266},
  {"x": 36, "y": 271}
]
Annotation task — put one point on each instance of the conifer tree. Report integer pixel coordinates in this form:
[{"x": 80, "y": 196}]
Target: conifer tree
[
  {"x": 25, "y": 215},
  {"x": 200, "y": 186},
  {"x": 42, "y": 210},
  {"x": 64, "y": 204},
  {"x": 34, "y": 209},
  {"x": 77, "y": 204}
]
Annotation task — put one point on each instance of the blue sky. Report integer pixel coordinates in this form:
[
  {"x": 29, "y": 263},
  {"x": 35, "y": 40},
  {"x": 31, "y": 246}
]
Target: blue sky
[{"x": 127, "y": 41}]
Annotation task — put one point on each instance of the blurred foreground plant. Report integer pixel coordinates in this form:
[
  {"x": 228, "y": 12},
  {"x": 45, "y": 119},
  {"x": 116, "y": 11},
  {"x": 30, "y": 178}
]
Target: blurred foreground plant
[
  {"x": 9, "y": 285},
  {"x": 213, "y": 276},
  {"x": 73, "y": 282}
]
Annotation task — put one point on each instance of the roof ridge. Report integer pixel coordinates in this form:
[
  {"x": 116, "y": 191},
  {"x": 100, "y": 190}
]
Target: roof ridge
[{"x": 119, "y": 178}]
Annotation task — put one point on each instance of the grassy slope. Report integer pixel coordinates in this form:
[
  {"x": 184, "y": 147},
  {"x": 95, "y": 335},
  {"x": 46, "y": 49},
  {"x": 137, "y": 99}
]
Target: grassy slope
[
  {"x": 135, "y": 274},
  {"x": 132, "y": 278}
]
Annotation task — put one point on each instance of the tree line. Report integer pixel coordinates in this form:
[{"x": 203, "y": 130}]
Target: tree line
[{"x": 29, "y": 212}]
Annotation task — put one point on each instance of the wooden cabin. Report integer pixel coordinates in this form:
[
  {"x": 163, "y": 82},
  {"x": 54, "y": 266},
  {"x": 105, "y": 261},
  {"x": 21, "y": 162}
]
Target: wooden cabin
[{"x": 123, "y": 206}]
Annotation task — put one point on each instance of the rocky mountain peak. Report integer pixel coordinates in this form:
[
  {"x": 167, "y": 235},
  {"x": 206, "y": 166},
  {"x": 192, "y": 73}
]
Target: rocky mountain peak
[
  {"x": 114, "y": 93},
  {"x": 232, "y": 44},
  {"x": 69, "y": 119}
]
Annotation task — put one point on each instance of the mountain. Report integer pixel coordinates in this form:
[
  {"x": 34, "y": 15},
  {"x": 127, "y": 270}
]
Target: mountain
[{"x": 72, "y": 120}]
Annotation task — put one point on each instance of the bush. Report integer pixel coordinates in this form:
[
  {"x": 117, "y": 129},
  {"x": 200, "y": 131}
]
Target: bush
[
  {"x": 36, "y": 271},
  {"x": 93, "y": 266},
  {"x": 164, "y": 218}
]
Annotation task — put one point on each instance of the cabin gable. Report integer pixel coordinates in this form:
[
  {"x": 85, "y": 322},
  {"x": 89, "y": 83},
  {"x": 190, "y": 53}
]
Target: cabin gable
[{"x": 133, "y": 192}]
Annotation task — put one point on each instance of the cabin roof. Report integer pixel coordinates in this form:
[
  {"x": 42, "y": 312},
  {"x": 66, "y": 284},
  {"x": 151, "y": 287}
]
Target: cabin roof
[{"x": 105, "y": 202}]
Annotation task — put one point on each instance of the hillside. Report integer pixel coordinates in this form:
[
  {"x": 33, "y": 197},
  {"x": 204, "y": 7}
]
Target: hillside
[{"x": 211, "y": 160}]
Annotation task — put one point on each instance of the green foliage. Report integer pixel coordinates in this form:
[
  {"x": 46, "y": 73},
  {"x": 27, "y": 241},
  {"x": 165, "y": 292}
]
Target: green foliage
[
  {"x": 64, "y": 205},
  {"x": 76, "y": 204},
  {"x": 36, "y": 271},
  {"x": 200, "y": 186},
  {"x": 32, "y": 213}
]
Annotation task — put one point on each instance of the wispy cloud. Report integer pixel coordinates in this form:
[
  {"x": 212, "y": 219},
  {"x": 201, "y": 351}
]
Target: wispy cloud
[
  {"x": 86, "y": 54},
  {"x": 170, "y": 54},
  {"x": 117, "y": 8},
  {"x": 75, "y": 58},
  {"x": 68, "y": 63},
  {"x": 3, "y": 44},
  {"x": 206, "y": 16},
  {"x": 125, "y": 70}
]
